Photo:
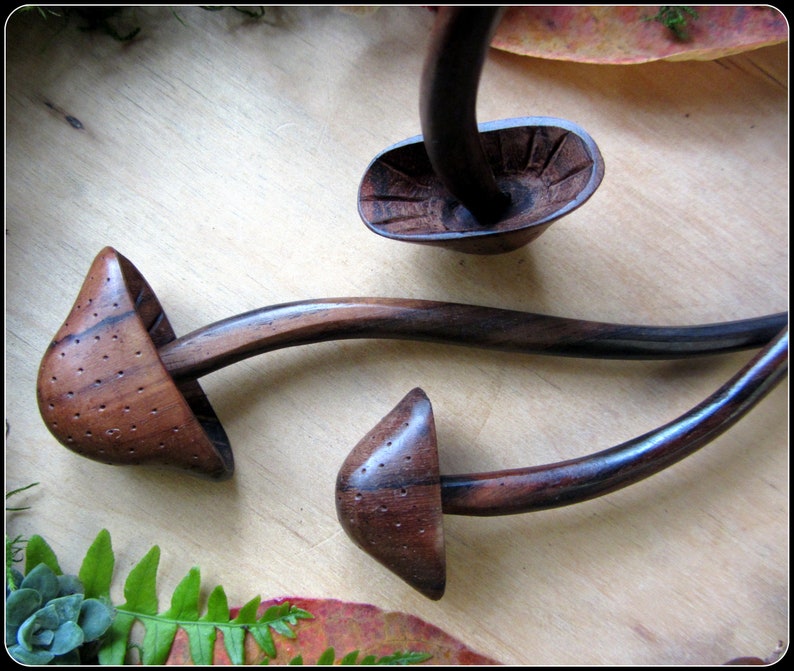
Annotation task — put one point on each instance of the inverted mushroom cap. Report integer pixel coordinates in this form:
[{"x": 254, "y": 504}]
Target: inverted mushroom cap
[
  {"x": 548, "y": 166},
  {"x": 104, "y": 393},
  {"x": 388, "y": 496}
]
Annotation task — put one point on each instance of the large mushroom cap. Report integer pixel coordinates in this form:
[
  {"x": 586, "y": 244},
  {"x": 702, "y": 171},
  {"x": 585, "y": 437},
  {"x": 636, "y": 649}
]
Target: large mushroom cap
[
  {"x": 388, "y": 496},
  {"x": 104, "y": 392}
]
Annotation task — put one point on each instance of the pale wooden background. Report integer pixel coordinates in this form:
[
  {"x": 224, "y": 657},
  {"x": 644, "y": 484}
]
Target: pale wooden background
[{"x": 223, "y": 157}]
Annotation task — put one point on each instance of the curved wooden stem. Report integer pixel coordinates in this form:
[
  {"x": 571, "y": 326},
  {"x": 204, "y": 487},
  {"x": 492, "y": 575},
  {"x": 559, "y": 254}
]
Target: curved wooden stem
[
  {"x": 225, "y": 342},
  {"x": 459, "y": 44},
  {"x": 537, "y": 488}
]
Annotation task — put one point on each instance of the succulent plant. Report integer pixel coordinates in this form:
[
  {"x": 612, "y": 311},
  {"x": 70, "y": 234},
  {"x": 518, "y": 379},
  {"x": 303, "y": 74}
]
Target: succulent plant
[{"x": 49, "y": 620}]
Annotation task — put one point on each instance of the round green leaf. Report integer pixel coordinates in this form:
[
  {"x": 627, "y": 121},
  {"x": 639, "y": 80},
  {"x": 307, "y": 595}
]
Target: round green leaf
[
  {"x": 43, "y": 579},
  {"x": 69, "y": 584},
  {"x": 67, "y": 637},
  {"x": 20, "y": 605},
  {"x": 67, "y": 607},
  {"x": 44, "y": 618},
  {"x": 34, "y": 657},
  {"x": 95, "y": 618}
]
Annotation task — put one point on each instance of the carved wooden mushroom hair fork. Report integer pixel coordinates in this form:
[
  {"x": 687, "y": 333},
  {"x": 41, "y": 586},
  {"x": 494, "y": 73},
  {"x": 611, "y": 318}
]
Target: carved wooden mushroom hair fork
[
  {"x": 117, "y": 386},
  {"x": 479, "y": 189},
  {"x": 390, "y": 496}
]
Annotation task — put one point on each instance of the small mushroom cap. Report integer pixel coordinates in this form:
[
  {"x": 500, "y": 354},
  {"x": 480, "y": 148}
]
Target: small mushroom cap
[
  {"x": 548, "y": 166},
  {"x": 388, "y": 496},
  {"x": 104, "y": 393}
]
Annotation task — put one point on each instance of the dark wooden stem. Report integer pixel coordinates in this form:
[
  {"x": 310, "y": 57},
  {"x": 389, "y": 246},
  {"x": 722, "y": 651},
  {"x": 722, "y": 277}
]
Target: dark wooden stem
[
  {"x": 225, "y": 342},
  {"x": 458, "y": 47},
  {"x": 537, "y": 488}
]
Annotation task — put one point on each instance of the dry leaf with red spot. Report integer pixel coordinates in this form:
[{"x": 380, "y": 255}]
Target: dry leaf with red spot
[
  {"x": 625, "y": 34},
  {"x": 345, "y": 627}
]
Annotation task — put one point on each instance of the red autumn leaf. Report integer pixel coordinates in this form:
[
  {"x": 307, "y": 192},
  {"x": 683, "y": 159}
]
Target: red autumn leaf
[
  {"x": 626, "y": 34},
  {"x": 345, "y": 627}
]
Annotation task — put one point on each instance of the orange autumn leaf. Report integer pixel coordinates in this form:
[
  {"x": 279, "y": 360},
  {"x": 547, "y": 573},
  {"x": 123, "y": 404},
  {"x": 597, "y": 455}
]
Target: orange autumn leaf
[
  {"x": 626, "y": 34},
  {"x": 345, "y": 627}
]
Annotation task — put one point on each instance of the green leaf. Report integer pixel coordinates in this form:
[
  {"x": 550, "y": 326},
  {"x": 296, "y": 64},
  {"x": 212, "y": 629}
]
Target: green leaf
[
  {"x": 184, "y": 602},
  {"x": 67, "y": 637},
  {"x": 217, "y": 606},
  {"x": 45, "y": 618},
  {"x": 160, "y": 631},
  {"x": 140, "y": 588},
  {"x": 202, "y": 638},
  {"x": 157, "y": 640},
  {"x": 350, "y": 658},
  {"x": 34, "y": 658},
  {"x": 96, "y": 571},
  {"x": 327, "y": 657},
  {"x": 43, "y": 580},
  {"x": 95, "y": 619},
  {"x": 20, "y": 605},
  {"x": 38, "y": 552},
  {"x": 69, "y": 584},
  {"x": 405, "y": 658},
  {"x": 234, "y": 637},
  {"x": 67, "y": 608},
  {"x": 113, "y": 650}
]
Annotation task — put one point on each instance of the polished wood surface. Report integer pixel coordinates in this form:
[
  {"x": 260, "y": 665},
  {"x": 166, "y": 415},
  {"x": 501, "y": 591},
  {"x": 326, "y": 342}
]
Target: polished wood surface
[{"x": 223, "y": 157}]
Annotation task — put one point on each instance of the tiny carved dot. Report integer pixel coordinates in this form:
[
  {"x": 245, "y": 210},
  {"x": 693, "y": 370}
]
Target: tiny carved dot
[
  {"x": 69, "y": 394},
  {"x": 126, "y": 408},
  {"x": 69, "y": 439},
  {"x": 358, "y": 497},
  {"x": 363, "y": 470},
  {"x": 105, "y": 357},
  {"x": 51, "y": 406},
  {"x": 397, "y": 525},
  {"x": 132, "y": 450},
  {"x": 388, "y": 444},
  {"x": 96, "y": 337},
  {"x": 138, "y": 353},
  {"x": 175, "y": 429},
  {"x": 134, "y": 427},
  {"x": 77, "y": 341},
  {"x": 381, "y": 465},
  {"x": 80, "y": 371},
  {"x": 53, "y": 379},
  {"x": 115, "y": 337},
  {"x": 97, "y": 382},
  {"x": 77, "y": 415},
  {"x": 63, "y": 354},
  {"x": 154, "y": 411},
  {"x": 161, "y": 445},
  {"x": 120, "y": 373},
  {"x": 383, "y": 509},
  {"x": 403, "y": 492},
  {"x": 102, "y": 407},
  {"x": 88, "y": 434},
  {"x": 96, "y": 315},
  {"x": 408, "y": 457},
  {"x": 140, "y": 390}
]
